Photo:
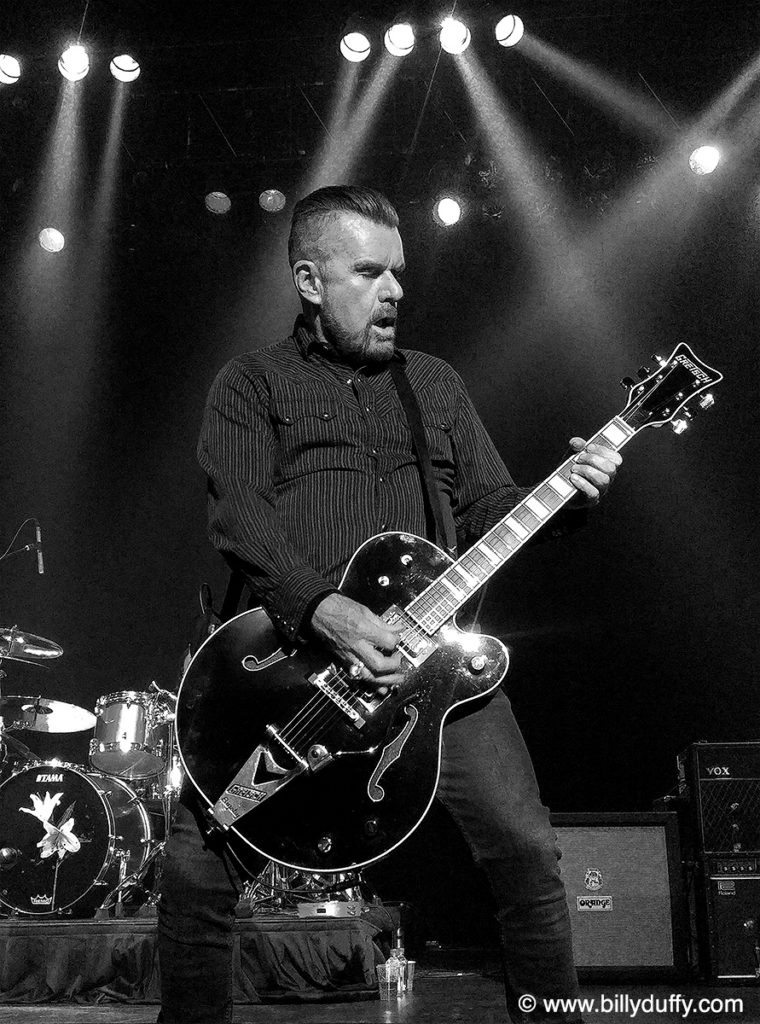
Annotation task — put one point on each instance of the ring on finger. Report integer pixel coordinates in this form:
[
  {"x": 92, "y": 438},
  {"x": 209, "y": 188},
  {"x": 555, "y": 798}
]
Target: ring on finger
[{"x": 356, "y": 669}]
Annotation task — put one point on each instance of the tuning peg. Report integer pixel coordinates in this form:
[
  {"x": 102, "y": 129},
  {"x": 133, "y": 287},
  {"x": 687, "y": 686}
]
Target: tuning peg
[
  {"x": 706, "y": 401},
  {"x": 627, "y": 382},
  {"x": 660, "y": 361},
  {"x": 644, "y": 372},
  {"x": 679, "y": 426}
]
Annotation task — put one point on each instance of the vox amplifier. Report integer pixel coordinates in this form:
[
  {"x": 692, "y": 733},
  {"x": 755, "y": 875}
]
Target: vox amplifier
[{"x": 722, "y": 784}]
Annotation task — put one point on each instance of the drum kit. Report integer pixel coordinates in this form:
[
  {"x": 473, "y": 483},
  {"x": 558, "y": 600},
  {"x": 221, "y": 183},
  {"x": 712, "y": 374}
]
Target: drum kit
[{"x": 81, "y": 840}]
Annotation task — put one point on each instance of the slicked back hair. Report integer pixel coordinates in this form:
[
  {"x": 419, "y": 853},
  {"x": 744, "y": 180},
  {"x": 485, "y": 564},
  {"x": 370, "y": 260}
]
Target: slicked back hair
[{"x": 313, "y": 212}]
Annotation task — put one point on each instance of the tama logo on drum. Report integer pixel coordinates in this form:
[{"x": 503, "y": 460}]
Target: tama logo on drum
[{"x": 50, "y": 777}]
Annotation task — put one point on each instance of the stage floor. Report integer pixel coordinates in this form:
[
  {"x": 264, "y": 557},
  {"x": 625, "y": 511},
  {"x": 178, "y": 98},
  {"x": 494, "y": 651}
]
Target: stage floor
[{"x": 440, "y": 997}]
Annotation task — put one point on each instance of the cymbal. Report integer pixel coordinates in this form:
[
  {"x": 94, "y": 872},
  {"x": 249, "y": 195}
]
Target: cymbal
[
  {"x": 43, "y": 715},
  {"x": 18, "y": 645}
]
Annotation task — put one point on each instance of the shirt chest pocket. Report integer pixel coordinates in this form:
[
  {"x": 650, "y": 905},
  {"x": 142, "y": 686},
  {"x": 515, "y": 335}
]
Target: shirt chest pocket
[
  {"x": 310, "y": 431},
  {"x": 438, "y": 427}
]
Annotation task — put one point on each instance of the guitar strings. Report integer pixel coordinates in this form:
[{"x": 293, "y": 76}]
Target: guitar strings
[{"x": 308, "y": 716}]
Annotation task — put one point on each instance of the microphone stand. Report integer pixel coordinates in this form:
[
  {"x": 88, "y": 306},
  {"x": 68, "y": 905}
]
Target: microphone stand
[{"x": 19, "y": 551}]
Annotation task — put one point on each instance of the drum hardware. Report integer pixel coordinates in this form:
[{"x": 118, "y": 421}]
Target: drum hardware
[
  {"x": 134, "y": 740},
  {"x": 115, "y": 898},
  {"x": 277, "y": 889}
]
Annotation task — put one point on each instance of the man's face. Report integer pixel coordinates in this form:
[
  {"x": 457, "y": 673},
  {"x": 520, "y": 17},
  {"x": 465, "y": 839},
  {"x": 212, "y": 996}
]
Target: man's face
[{"x": 361, "y": 288}]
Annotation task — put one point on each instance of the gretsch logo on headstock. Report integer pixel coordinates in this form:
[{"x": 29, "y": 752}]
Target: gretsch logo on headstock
[{"x": 698, "y": 372}]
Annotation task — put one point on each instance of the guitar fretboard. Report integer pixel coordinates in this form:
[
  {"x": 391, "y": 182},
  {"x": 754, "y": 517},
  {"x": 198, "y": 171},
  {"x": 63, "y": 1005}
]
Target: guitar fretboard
[{"x": 463, "y": 578}]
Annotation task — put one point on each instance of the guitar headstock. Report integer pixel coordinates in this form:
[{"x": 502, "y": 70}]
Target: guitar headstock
[{"x": 672, "y": 388}]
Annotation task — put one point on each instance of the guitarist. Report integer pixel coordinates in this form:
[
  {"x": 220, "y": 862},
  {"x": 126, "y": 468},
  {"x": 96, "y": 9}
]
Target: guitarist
[{"x": 308, "y": 453}]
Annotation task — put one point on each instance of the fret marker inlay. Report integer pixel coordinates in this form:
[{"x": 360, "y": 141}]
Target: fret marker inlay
[
  {"x": 614, "y": 434},
  {"x": 492, "y": 557},
  {"x": 561, "y": 486},
  {"x": 458, "y": 594},
  {"x": 516, "y": 527},
  {"x": 537, "y": 507}
]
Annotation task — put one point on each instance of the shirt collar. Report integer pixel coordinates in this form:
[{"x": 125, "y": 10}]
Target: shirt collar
[{"x": 309, "y": 344}]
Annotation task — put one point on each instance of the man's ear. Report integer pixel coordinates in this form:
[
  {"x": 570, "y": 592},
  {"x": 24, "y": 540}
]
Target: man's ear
[{"x": 308, "y": 282}]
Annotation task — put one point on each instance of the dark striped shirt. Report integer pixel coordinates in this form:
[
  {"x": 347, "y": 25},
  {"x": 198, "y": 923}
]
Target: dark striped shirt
[{"x": 308, "y": 457}]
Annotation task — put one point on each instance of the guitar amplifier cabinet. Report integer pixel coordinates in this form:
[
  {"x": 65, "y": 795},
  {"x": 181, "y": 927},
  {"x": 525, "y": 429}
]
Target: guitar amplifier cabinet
[
  {"x": 722, "y": 783},
  {"x": 622, "y": 875},
  {"x": 730, "y": 922}
]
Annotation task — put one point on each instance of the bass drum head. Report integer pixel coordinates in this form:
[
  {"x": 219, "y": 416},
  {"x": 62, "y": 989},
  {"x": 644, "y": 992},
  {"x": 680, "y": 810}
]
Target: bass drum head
[{"x": 67, "y": 838}]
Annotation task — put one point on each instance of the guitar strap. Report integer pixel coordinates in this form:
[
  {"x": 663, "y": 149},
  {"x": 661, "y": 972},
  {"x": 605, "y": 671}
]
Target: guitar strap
[{"x": 440, "y": 527}]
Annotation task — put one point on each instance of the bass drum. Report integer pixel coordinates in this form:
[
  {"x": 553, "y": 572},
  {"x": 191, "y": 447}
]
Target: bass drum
[{"x": 73, "y": 836}]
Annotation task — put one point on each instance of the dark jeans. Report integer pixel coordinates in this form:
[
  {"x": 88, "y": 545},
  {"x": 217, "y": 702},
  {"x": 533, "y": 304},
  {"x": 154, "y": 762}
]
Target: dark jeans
[{"x": 489, "y": 787}]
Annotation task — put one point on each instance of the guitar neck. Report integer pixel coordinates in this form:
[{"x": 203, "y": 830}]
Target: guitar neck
[{"x": 435, "y": 605}]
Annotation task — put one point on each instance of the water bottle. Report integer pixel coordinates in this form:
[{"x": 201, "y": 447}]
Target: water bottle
[
  {"x": 398, "y": 955},
  {"x": 392, "y": 966}
]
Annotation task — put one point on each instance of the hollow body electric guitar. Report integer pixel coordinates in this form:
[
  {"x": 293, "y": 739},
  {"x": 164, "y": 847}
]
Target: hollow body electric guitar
[{"x": 293, "y": 758}]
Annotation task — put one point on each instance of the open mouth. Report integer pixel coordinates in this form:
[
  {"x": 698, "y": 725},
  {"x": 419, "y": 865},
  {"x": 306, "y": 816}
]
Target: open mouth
[{"x": 386, "y": 323}]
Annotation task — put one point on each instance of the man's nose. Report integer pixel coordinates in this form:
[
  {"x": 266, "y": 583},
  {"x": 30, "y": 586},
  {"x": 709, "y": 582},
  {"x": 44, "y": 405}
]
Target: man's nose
[{"x": 392, "y": 289}]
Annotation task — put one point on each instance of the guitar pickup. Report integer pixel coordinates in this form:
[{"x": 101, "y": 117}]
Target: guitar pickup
[{"x": 415, "y": 644}]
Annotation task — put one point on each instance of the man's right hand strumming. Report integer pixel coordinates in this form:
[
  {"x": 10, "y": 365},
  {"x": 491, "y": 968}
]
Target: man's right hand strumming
[{"x": 360, "y": 639}]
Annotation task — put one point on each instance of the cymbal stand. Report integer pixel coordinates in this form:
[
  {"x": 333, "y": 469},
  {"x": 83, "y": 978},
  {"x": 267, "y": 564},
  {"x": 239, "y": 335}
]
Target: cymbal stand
[{"x": 3, "y": 675}]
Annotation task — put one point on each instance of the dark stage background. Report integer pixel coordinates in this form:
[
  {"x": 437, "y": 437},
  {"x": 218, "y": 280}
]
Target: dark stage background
[{"x": 629, "y": 640}]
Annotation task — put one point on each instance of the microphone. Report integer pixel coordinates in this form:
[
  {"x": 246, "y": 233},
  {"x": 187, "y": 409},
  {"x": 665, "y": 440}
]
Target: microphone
[
  {"x": 9, "y": 857},
  {"x": 40, "y": 563}
]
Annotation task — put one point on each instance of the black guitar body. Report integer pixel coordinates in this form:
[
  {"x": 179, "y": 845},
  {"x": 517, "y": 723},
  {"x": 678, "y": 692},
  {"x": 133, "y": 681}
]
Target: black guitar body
[{"x": 333, "y": 786}]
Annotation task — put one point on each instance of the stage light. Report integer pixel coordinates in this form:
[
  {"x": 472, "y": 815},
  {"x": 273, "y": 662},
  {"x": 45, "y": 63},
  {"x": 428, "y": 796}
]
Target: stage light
[
  {"x": 704, "y": 160},
  {"x": 125, "y": 68},
  {"x": 51, "y": 240},
  {"x": 447, "y": 211},
  {"x": 74, "y": 63},
  {"x": 399, "y": 39},
  {"x": 218, "y": 203},
  {"x": 272, "y": 200},
  {"x": 510, "y": 30},
  {"x": 455, "y": 36},
  {"x": 355, "y": 46},
  {"x": 10, "y": 69}
]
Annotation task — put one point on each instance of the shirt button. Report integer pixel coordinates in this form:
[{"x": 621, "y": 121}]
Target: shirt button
[
  {"x": 367, "y": 408},
  {"x": 325, "y": 415},
  {"x": 350, "y": 380}
]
